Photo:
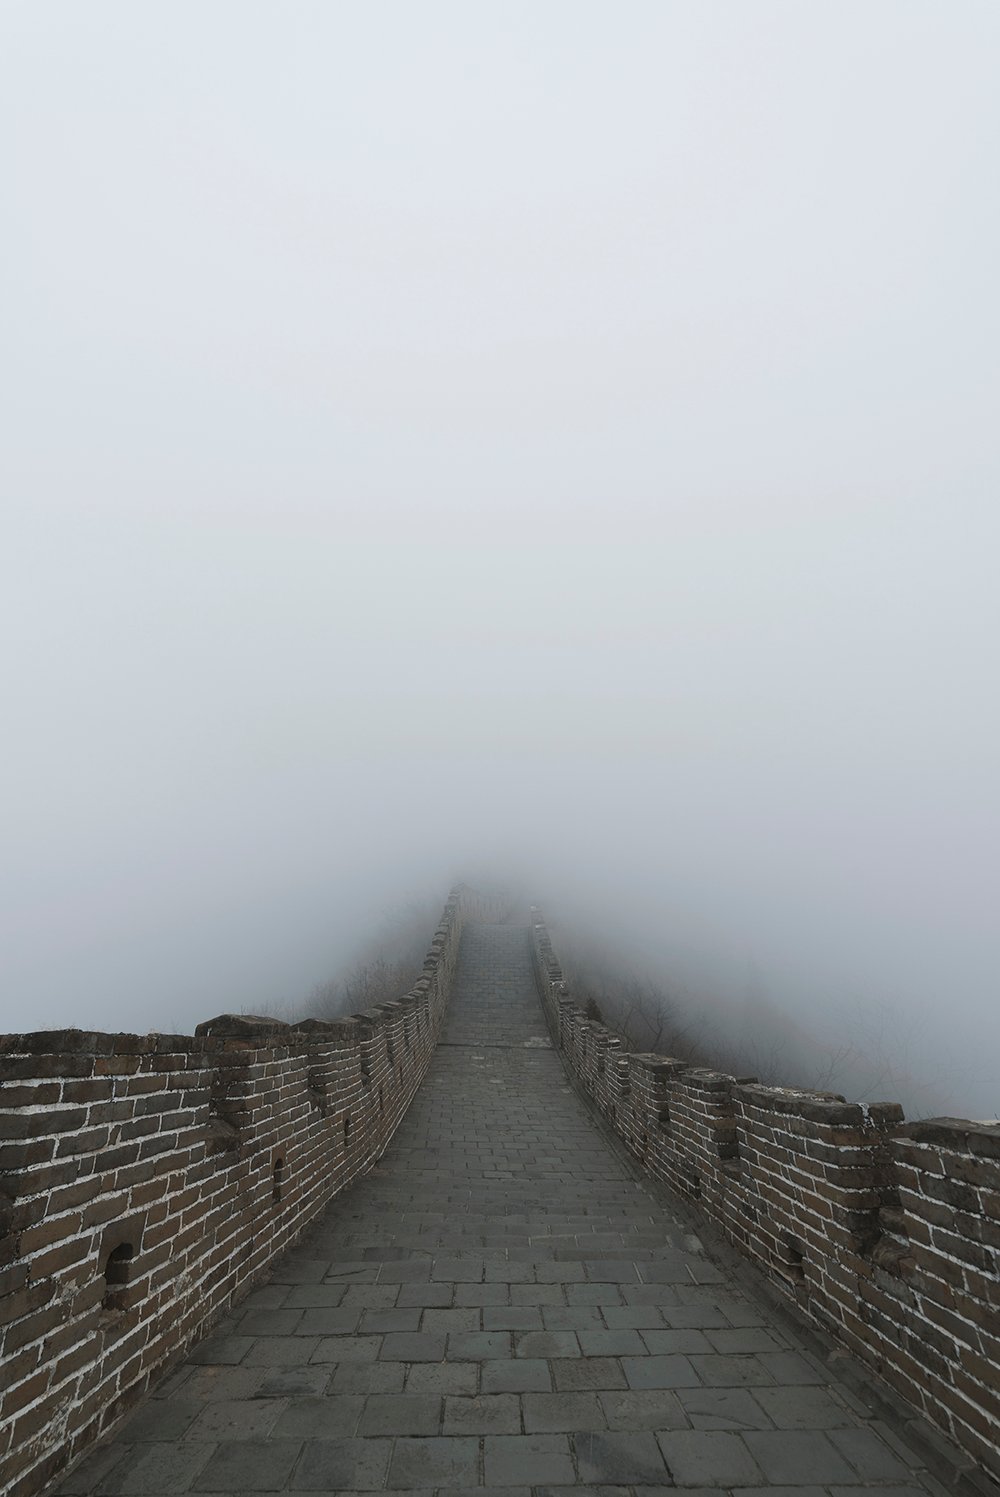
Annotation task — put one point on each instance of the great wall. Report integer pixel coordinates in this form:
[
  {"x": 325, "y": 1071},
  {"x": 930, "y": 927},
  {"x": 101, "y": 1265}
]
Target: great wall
[{"x": 151, "y": 1184}]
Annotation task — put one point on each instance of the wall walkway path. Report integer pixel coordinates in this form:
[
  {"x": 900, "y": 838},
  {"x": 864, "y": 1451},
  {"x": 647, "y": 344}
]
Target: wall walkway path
[{"x": 502, "y": 1304}]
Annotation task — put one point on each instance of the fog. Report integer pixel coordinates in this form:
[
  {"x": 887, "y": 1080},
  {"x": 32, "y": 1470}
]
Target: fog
[{"x": 553, "y": 442}]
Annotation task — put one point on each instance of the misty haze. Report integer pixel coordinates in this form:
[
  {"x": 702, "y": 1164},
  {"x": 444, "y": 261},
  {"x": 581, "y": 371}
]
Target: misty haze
[{"x": 552, "y": 446}]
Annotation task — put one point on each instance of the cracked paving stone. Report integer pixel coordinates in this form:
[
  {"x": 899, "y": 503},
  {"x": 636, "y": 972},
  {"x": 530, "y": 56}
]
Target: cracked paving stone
[
  {"x": 401, "y": 1414},
  {"x": 802, "y": 1408},
  {"x": 547, "y": 1344},
  {"x": 249, "y": 1466},
  {"x": 281, "y": 1351},
  {"x": 442, "y": 1377},
  {"x": 492, "y": 1413},
  {"x": 320, "y": 1418},
  {"x": 165, "y": 1468},
  {"x": 235, "y": 1419},
  {"x": 478, "y": 1346},
  {"x": 621, "y": 1343},
  {"x": 722, "y": 1408},
  {"x": 633, "y": 1458},
  {"x": 413, "y": 1346},
  {"x": 585, "y": 1373},
  {"x": 512, "y": 1460},
  {"x": 708, "y": 1458},
  {"x": 659, "y": 1372},
  {"x": 396, "y": 1319},
  {"x": 731, "y": 1372},
  {"x": 655, "y": 1409},
  {"x": 335, "y": 1465},
  {"x": 666, "y": 1343},
  {"x": 550, "y": 1413},
  {"x": 463, "y": 1318},
  {"x": 525, "y": 1375},
  {"x": 315, "y": 1296},
  {"x": 368, "y": 1377},
  {"x": 221, "y": 1350},
  {"x": 160, "y": 1419},
  {"x": 512, "y": 1318},
  {"x": 441, "y": 1462},
  {"x": 787, "y": 1455},
  {"x": 294, "y": 1382},
  {"x": 868, "y": 1454},
  {"x": 269, "y": 1322}
]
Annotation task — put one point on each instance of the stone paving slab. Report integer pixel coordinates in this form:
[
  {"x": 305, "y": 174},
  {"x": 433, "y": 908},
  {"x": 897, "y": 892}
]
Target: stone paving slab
[{"x": 501, "y": 1307}]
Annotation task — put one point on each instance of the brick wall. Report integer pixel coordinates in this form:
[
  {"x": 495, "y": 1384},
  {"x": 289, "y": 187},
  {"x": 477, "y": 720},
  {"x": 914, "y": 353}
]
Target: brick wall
[
  {"x": 886, "y": 1233},
  {"x": 146, "y": 1181}
]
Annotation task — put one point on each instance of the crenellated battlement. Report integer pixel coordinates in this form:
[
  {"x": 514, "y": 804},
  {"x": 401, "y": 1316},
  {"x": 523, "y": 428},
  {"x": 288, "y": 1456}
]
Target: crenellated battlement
[
  {"x": 886, "y": 1233},
  {"x": 147, "y": 1181}
]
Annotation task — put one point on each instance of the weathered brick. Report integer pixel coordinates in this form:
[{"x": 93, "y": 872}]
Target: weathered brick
[
  {"x": 33, "y": 1327},
  {"x": 94, "y": 1089},
  {"x": 88, "y": 1142},
  {"x": 18, "y": 1124},
  {"x": 64, "y": 1255},
  {"x": 52, "y": 1229},
  {"x": 18, "y": 1396},
  {"x": 42, "y": 1067}
]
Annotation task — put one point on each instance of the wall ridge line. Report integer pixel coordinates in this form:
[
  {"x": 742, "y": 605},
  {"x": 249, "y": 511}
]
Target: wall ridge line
[
  {"x": 885, "y": 1234},
  {"x": 148, "y": 1181}
]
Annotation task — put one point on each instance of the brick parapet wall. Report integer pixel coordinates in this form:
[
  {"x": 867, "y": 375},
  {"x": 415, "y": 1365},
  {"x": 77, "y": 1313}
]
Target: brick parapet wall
[
  {"x": 886, "y": 1233},
  {"x": 146, "y": 1181}
]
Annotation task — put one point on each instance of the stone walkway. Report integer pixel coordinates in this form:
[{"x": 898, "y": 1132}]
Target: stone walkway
[{"x": 501, "y": 1305}]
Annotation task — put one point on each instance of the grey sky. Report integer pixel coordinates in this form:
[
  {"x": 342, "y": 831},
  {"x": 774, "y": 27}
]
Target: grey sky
[{"x": 446, "y": 435}]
